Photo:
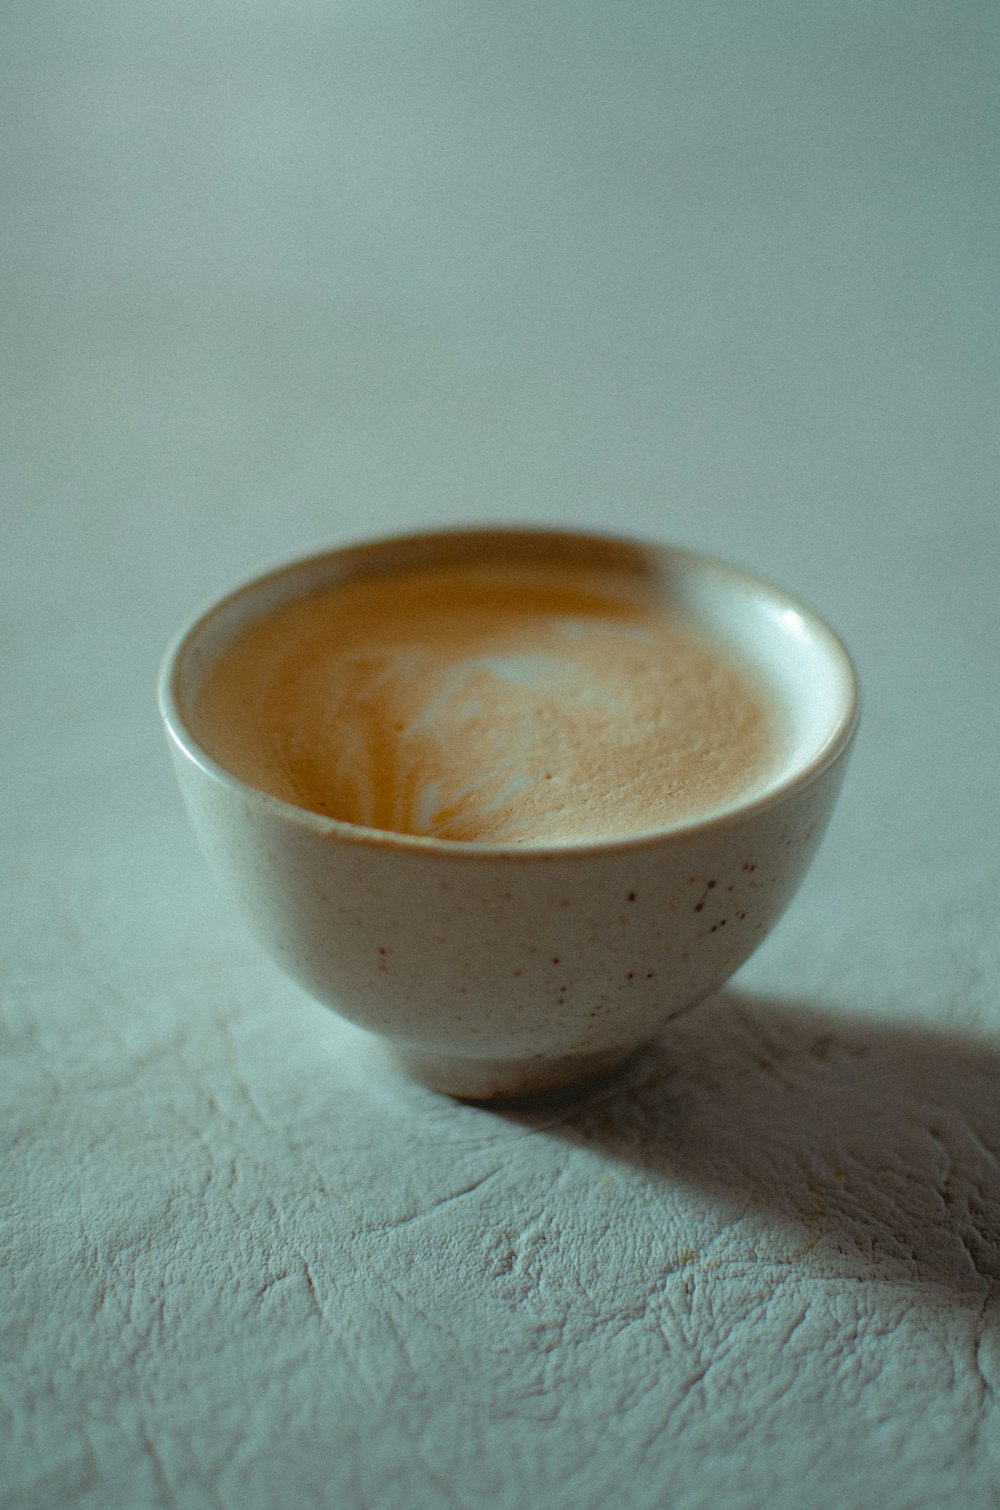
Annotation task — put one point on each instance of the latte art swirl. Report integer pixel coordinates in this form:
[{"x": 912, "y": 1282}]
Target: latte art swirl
[{"x": 515, "y": 704}]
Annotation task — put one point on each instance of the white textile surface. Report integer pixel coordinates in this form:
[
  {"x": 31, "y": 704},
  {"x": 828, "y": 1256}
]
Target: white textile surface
[{"x": 702, "y": 271}]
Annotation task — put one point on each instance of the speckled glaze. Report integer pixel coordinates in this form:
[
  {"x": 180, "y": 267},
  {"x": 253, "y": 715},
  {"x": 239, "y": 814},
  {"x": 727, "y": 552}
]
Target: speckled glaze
[{"x": 493, "y": 972}]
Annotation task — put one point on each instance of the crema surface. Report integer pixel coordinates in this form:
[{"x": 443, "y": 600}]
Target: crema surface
[{"x": 513, "y": 704}]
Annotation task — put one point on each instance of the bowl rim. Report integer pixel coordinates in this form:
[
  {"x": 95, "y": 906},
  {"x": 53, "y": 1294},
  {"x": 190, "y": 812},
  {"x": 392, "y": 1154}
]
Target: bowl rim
[{"x": 801, "y": 776}]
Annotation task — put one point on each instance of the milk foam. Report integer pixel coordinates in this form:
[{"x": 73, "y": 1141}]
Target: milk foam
[{"x": 514, "y": 704}]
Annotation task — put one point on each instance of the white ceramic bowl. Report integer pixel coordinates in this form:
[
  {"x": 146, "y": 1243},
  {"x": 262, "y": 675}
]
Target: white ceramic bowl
[{"x": 500, "y": 972}]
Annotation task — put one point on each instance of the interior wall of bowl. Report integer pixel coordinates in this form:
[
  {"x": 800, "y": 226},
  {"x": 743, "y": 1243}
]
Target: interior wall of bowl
[{"x": 796, "y": 656}]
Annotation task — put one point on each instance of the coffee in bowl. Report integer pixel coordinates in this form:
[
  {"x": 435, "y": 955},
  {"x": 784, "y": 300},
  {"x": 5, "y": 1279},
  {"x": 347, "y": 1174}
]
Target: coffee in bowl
[
  {"x": 514, "y": 702},
  {"x": 509, "y": 799}
]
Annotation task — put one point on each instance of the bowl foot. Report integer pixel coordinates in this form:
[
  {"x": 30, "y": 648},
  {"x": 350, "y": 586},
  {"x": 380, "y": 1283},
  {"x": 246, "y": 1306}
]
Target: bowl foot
[{"x": 505, "y": 1080}]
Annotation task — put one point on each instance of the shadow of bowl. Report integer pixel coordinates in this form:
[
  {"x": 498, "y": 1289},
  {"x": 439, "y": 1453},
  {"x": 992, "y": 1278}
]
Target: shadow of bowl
[{"x": 876, "y": 1144}]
